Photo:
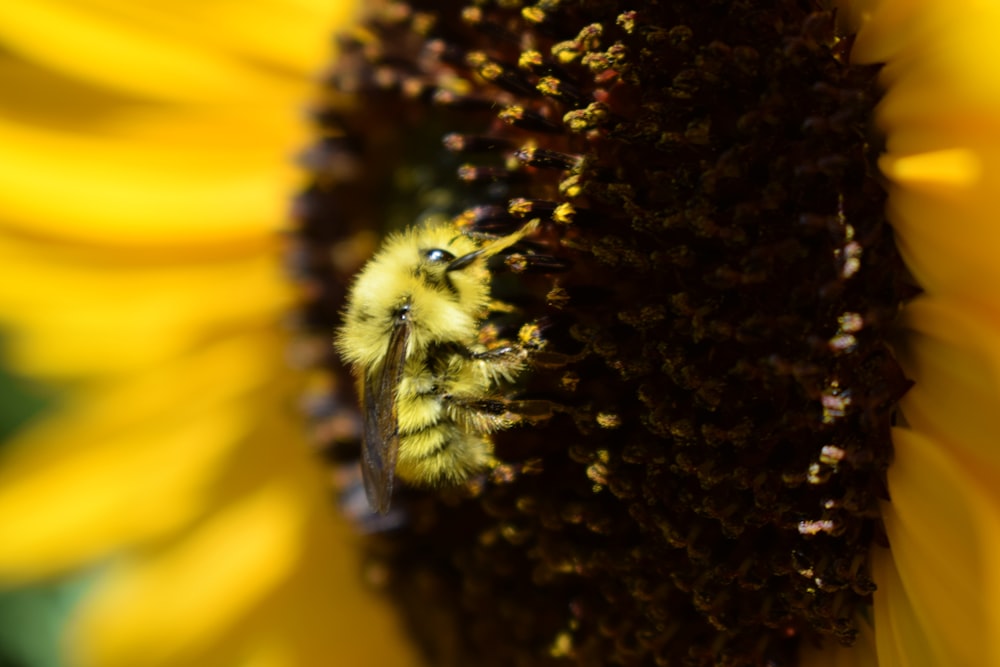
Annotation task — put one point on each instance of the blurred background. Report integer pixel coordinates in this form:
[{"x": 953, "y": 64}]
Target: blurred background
[
  {"x": 158, "y": 502},
  {"x": 30, "y": 617}
]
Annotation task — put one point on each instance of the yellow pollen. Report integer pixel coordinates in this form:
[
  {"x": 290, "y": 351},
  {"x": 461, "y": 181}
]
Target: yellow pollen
[
  {"x": 562, "y": 646},
  {"x": 533, "y": 14},
  {"x": 564, "y": 213},
  {"x": 529, "y": 59}
]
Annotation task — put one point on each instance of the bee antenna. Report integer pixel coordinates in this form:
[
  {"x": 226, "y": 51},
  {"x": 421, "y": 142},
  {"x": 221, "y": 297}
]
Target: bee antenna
[{"x": 493, "y": 247}]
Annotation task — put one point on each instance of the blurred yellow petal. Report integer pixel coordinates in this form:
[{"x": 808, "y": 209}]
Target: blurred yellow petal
[
  {"x": 901, "y": 638},
  {"x": 953, "y": 354},
  {"x": 886, "y": 28},
  {"x": 226, "y": 567},
  {"x": 202, "y": 405},
  {"x": 180, "y": 193},
  {"x": 937, "y": 598},
  {"x": 271, "y": 577},
  {"x": 236, "y": 26},
  {"x": 944, "y": 533},
  {"x": 154, "y": 52},
  {"x": 198, "y": 169},
  {"x": 66, "y": 319},
  {"x": 950, "y": 168},
  {"x": 144, "y": 181},
  {"x": 941, "y": 112}
]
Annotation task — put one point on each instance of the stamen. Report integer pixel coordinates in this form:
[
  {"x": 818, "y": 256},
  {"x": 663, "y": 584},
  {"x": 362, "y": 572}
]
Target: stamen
[{"x": 529, "y": 120}]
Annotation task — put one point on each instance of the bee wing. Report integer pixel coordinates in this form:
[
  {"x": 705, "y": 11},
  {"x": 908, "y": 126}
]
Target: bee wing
[{"x": 381, "y": 434}]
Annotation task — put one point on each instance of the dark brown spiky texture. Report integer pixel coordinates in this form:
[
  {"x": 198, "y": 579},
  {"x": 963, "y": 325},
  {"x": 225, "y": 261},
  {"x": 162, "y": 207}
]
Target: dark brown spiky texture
[{"x": 710, "y": 494}]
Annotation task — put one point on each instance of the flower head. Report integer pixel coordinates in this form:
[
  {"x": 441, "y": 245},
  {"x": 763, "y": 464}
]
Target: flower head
[{"x": 715, "y": 283}]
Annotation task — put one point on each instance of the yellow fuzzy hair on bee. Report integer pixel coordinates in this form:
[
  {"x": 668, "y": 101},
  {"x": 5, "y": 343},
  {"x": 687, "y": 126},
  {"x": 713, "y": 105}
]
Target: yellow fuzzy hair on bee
[{"x": 431, "y": 393}]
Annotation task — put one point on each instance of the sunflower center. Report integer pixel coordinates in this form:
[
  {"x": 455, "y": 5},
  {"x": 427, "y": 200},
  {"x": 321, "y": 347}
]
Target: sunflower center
[{"x": 719, "y": 278}]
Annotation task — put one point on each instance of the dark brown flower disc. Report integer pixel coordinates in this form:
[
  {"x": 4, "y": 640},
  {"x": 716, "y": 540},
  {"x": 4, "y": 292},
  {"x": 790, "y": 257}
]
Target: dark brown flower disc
[{"x": 715, "y": 280}]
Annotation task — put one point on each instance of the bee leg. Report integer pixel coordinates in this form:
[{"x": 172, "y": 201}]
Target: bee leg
[
  {"x": 499, "y": 354},
  {"x": 497, "y": 306},
  {"x": 553, "y": 359},
  {"x": 520, "y": 262},
  {"x": 498, "y": 411},
  {"x": 504, "y": 361},
  {"x": 486, "y": 406},
  {"x": 534, "y": 410}
]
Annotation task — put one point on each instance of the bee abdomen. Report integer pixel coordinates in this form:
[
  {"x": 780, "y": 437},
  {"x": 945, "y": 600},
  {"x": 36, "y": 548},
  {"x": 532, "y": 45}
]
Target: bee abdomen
[{"x": 443, "y": 452}]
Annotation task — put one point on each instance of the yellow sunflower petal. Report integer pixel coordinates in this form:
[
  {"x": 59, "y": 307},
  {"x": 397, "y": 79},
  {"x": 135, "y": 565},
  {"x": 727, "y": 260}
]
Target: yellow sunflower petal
[
  {"x": 901, "y": 638},
  {"x": 165, "y": 54},
  {"x": 98, "y": 477},
  {"x": 126, "y": 192},
  {"x": 944, "y": 534},
  {"x": 202, "y": 586},
  {"x": 885, "y": 28},
  {"x": 209, "y": 166},
  {"x": 271, "y": 578},
  {"x": 144, "y": 173},
  {"x": 941, "y": 112},
  {"x": 78, "y": 311},
  {"x": 953, "y": 355},
  {"x": 937, "y": 597}
]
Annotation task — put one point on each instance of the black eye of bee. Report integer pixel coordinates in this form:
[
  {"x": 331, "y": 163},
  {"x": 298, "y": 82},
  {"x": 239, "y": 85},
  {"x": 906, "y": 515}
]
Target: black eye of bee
[
  {"x": 402, "y": 313},
  {"x": 437, "y": 255}
]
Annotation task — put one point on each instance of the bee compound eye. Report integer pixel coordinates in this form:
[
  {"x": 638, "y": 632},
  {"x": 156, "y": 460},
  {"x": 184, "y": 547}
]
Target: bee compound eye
[{"x": 437, "y": 255}]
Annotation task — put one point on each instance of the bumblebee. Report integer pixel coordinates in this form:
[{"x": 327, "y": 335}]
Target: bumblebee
[{"x": 431, "y": 390}]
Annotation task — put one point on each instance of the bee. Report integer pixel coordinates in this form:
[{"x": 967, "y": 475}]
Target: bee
[{"x": 430, "y": 388}]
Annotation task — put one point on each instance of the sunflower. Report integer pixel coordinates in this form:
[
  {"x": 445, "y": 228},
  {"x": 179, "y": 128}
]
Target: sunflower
[
  {"x": 145, "y": 182},
  {"x": 151, "y": 297}
]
